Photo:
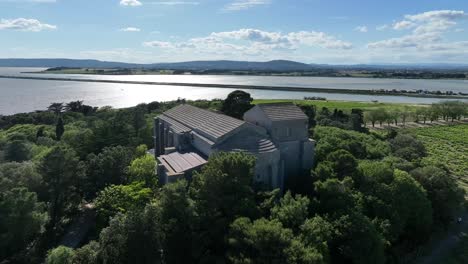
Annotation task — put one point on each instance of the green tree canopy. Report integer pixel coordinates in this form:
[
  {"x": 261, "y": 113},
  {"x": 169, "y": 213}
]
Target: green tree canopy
[
  {"x": 121, "y": 199},
  {"x": 222, "y": 191},
  {"x": 144, "y": 169},
  {"x": 22, "y": 218},
  {"x": 62, "y": 174},
  {"x": 236, "y": 104},
  {"x": 60, "y": 255},
  {"x": 291, "y": 211},
  {"x": 267, "y": 241},
  {"x": 446, "y": 196}
]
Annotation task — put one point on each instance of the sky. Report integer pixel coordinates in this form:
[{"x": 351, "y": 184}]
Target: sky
[{"x": 310, "y": 31}]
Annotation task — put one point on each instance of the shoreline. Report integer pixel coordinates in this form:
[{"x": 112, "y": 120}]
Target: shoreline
[{"x": 251, "y": 87}]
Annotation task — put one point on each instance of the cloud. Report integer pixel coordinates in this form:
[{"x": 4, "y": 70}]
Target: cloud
[
  {"x": 427, "y": 33},
  {"x": 382, "y": 27},
  {"x": 130, "y": 3},
  {"x": 251, "y": 42},
  {"x": 130, "y": 29},
  {"x": 362, "y": 29},
  {"x": 405, "y": 24},
  {"x": 159, "y": 44},
  {"x": 173, "y": 3},
  {"x": 238, "y": 5},
  {"x": 24, "y": 24}
]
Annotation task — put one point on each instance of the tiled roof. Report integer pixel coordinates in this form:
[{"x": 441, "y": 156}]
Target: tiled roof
[
  {"x": 207, "y": 122},
  {"x": 247, "y": 141},
  {"x": 176, "y": 126},
  {"x": 282, "y": 111},
  {"x": 177, "y": 162}
]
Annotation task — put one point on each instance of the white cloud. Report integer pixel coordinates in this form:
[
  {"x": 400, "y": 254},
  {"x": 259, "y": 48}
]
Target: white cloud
[
  {"x": 362, "y": 29},
  {"x": 24, "y": 24},
  {"x": 382, "y": 27},
  {"x": 173, "y": 3},
  {"x": 250, "y": 43},
  {"x": 159, "y": 44},
  {"x": 427, "y": 33},
  {"x": 244, "y": 4},
  {"x": 130, "y": 3},
  {"x": 130, "y": 29},
  {"x": 405, "y": 24}
]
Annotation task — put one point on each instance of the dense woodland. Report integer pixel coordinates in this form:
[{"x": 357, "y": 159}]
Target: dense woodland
[{"x": 371, "y": 198}]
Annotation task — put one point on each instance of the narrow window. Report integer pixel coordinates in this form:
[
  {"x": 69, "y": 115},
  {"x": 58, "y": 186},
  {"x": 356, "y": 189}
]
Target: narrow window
[{"x": 288, "y": 131}]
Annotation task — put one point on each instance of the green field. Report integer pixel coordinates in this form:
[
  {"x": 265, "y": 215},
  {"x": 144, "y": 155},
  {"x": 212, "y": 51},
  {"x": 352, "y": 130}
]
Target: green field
[
  {"x": 346, "y": 105},
  {"x": 447, "y": 145}
]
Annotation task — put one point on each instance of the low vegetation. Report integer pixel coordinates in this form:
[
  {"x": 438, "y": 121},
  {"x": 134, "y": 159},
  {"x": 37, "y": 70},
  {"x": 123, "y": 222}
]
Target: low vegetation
[{"x": 447, "y": 146}]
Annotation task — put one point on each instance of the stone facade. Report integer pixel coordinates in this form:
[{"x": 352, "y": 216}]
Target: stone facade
[{"x": 186, "y": 136}]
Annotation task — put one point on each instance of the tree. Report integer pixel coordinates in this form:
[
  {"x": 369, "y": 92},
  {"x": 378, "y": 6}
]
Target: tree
[
  {"x": 74, "y": 106},
  {"x": 291, "y": 212},
  {"x": 60, "y": 255},
  {"x": 236, "y": 104},
  {"x": 177, "y": 213},
  {"x": 446, "y": 196},
  {"x": 356, "y": 241},
  {"x": 409, "y": 201},
  {"x": 372, "y": 116},
  {"x": 407, "y": 147},
  {"x": 80, "y": 139},
  {"x": 222, "y": 191},
  {"x": 59, "y": 129},
  {"x": 120, "y": 199},
  {"x": 22, "y": 219},
  {"x": 343, "y": 163},
  {"x": 317, "y": 232},
  {"x": 334, "y": 197},
  {"x": 62, "y": 173},
  {"x": 56, "y": 108},
  {"x": 132, "y": 238},
  {"x": 267, "y": 241},
  {"x": 18, "y": 150},
  {"x": 144, "y": 169},
  {"x": 87, "y": 254},
  {"x": 22, "y": 175},
  {"x": 107, "y": 168}
]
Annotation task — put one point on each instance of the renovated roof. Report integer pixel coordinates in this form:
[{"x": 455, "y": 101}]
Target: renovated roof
[
  {"x": 247, "y": 141},
  {"x": 282, "y": 111},
  {"x": 207, "y": 122},
  {"x": 177, "y": 162}
]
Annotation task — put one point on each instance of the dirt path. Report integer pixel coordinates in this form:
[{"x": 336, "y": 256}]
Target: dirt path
[
  {"x": 443, "y": 247},
  {"x": 80, "y": 227}
]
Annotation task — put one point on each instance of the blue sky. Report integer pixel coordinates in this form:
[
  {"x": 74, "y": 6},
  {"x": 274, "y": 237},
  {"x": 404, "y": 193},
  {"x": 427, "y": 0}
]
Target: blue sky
[{"x": 312, "y": 31}]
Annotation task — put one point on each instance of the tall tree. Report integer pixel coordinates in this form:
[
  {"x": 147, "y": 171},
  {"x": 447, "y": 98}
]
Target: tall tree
[
  {"x": 62, "y": 173},
  {"x": 56, "y": 108},
  {"x": 59, "y": 128},
  {"x": 236, "y": 104},
  {"x": 22, "y": 219},
  {"x": 221, "y": 191}
]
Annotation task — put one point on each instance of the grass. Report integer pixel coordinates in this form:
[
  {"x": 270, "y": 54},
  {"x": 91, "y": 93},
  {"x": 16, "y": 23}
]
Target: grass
[
  {"x": 346, "y": 105},
  {"x": 447, "y": 145}
]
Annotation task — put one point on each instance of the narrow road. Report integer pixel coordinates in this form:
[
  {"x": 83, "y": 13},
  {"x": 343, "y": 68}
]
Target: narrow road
[
  {"x": 444, "y": 246},
  {"x": 80, "y": 227}
]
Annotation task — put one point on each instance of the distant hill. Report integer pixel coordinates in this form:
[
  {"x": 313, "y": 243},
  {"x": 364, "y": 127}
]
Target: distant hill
[{"x": 274, "y": 65}]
